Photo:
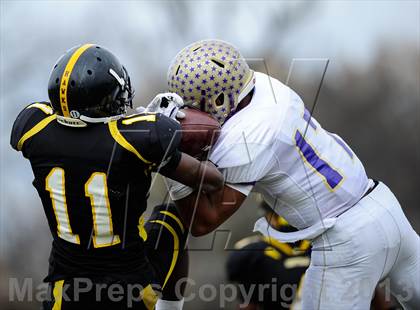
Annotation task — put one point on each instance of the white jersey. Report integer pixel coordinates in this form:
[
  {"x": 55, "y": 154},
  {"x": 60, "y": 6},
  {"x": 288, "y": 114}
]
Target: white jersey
[{"x": 273, "y": 147}]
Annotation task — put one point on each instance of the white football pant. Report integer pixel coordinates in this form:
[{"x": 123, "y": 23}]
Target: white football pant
[{"x": 371, "y": 241}]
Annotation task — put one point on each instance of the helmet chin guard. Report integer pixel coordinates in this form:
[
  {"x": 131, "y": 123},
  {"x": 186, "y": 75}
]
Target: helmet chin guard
[{"x": 211, "y": 75}]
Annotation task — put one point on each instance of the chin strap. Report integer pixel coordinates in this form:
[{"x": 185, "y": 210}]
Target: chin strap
[{"x": 83, "y": 120}]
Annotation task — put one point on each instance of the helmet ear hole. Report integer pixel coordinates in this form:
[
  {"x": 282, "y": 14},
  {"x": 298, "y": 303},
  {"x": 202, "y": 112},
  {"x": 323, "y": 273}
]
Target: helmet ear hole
[{"x": 220, "y": 100}]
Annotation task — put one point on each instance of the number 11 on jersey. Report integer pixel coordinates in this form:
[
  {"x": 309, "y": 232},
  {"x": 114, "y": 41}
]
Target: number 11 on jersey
[{"x": 97, "y": 191}]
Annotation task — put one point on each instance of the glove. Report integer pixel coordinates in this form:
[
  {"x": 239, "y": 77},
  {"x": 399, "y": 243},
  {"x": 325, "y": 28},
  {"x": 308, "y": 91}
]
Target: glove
[{"x": 169, "y": 104}]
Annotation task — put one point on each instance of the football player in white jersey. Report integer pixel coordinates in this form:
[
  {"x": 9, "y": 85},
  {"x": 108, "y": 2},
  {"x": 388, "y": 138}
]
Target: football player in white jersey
[{"x": 270, "y": 144}]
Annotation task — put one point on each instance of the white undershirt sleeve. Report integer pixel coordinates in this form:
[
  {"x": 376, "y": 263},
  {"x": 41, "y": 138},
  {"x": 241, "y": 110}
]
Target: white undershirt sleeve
[{"x": 243, "y": 188}]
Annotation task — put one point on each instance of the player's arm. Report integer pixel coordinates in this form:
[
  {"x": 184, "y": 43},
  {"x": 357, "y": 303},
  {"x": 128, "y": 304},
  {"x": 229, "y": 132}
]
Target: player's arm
[
  {"x": 192, "y": 172},
  {"x": 204, "y": 212}
]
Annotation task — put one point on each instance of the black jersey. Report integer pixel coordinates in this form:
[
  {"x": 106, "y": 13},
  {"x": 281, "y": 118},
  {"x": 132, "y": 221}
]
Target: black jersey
[
  {"x": 270, "y": 271},
  {"x": 94, "y": 183}
]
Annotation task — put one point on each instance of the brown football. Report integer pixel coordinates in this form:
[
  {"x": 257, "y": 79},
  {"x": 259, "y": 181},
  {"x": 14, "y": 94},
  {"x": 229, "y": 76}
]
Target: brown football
[{"x": 200, "y": 131}]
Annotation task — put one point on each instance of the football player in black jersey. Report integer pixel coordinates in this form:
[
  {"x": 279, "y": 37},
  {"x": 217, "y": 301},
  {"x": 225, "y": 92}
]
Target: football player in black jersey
[
  {"x": 92, "y": 170},
  {"x": 270, "y": 271}
]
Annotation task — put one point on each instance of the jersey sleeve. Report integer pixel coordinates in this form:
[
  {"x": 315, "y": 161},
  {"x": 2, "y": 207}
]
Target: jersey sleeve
[
  {"x": 252, "y": 166},
  {"x": 27, "y": 119},
  {"x": 154, "y": 138},
  {"x": 243, "y": 152}
]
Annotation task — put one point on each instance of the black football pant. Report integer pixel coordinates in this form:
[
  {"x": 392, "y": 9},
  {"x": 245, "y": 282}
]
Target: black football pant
[{"x": 165, "y": 237}]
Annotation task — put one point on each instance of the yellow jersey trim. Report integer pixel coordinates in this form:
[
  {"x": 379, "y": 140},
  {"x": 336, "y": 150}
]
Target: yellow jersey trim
[
  {"x": 66, "y": 77},
  {"x": 170, "y": 214},
  {"x": 176, "y": 248},
  {"x": 147, "y": 118},
  {"x": 42, "y": 106},
  {"x": 115, "y": 239},
  {"x": 34, "y": 130},
  {"x": 115, "y": 133}
]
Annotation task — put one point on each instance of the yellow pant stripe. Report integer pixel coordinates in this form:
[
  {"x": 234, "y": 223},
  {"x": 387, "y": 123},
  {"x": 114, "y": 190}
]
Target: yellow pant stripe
[
  {"x": 34, "y": 130},
  {"x": 42, "y": 106},
  {"x": 66, "y": 77},
  {"x": 176, "y": 248},
  {"x": 57, "y": 293},
  {"x": 115, "y": 133},
  {"x": 142, "y": 230},
  {"x": 170, "y": 214}
]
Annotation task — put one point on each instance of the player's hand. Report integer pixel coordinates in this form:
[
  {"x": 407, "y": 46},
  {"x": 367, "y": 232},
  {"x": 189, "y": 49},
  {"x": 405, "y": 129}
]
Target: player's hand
[{"x": 169, "y": 104}]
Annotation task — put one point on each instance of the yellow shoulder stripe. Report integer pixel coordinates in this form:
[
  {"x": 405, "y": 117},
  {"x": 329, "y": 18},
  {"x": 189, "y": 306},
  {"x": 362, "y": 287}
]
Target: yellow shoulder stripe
[
  {"x": 176, "y": 248},
  {"x": 42, "y": 106},
  {"x": 170, "y": 214},
  {"x": 115, "y": 133},
  {"x": 147, "y": 118},
  {"x": 34, "y": 130}
]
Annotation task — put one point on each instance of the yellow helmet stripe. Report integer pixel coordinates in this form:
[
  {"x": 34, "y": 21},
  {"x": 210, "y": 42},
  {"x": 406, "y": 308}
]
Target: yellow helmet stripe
[{"x": 66, "y": 76}]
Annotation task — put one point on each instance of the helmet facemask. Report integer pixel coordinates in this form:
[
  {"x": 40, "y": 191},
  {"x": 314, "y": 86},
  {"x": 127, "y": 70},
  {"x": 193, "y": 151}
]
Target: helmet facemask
[{"x": 124, "y": 94}]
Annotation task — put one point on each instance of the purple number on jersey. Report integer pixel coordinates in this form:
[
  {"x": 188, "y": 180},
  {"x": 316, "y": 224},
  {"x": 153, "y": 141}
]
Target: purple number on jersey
[{"x": 332, "y": 177}]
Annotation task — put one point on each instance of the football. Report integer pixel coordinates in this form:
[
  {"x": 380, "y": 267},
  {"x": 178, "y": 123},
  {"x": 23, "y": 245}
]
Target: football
[{"x": 199, "y": 132}]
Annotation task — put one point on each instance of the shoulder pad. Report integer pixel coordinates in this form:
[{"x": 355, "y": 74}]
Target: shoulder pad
[
  {"x": 29, "y": 122},
  {"x": 148, "y": 136}
]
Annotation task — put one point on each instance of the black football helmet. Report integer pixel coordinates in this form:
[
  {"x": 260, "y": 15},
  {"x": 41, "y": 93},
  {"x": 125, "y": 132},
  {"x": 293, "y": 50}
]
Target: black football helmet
[{"x": 89, "y": 83}]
